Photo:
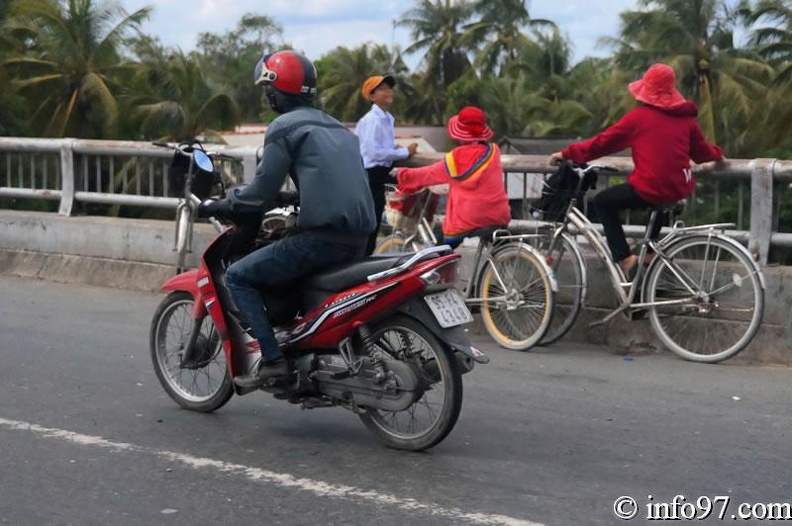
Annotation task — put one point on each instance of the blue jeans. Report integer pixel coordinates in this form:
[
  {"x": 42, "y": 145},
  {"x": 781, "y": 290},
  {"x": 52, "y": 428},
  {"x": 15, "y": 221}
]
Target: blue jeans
[{"x": 276, "y": 264}]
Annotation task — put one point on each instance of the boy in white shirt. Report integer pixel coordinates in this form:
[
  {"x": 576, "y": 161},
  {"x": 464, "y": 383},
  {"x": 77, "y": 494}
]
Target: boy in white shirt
[{"x": 378, "y": 144}]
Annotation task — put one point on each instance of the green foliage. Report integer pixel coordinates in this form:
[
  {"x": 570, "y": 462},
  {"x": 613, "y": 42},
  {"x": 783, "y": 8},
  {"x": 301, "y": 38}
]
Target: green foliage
[
  {"x": 435, "y": 27},
  {"x": 66, "y": 63},
  {"x": 343, "y": 71},
  {"x": 82, "y": 68},
  {"x": 697, "y": 38},
  {"x": 501, "y": 36},
  {"x": 228, "y": 60},
  {"x": 172, "y": 99}
]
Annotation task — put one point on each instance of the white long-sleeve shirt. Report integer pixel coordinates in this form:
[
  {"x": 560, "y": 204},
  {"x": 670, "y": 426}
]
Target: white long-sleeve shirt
[{"x": 377, "y": 142}]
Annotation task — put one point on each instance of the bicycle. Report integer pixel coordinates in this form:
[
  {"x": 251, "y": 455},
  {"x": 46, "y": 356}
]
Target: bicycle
[
  {"x": 411, "y": 217},
  {"x": 192, "y": 166},
  {"x": 509, "y": 282},
  {"x": 702, "y": 291}
]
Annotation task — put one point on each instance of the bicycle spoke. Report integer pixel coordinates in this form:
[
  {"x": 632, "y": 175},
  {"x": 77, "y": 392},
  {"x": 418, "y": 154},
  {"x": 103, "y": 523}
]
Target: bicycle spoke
[
  {"x": 715, "y": 299},
  {"x": 516, "y": 299}
]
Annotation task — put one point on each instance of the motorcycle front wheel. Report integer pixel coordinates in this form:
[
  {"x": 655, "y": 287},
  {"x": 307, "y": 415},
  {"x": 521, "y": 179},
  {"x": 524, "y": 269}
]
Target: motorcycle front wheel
[
  {"x": 206, "y": 385},
  {"x": 429, "y": 419}
]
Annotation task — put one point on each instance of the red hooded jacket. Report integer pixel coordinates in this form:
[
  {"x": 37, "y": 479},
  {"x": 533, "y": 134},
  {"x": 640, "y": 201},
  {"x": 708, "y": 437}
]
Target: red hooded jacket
[
  {"x": 663, "y": 143},
  {"x": 476, "y": 194}
]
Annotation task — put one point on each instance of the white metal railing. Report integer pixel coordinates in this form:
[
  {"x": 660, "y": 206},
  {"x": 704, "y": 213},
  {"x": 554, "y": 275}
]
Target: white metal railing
[
  {"x": 766, "y": 179},
  {"x": 110, "y": 172},
  {"x": 134, "y": 173}
]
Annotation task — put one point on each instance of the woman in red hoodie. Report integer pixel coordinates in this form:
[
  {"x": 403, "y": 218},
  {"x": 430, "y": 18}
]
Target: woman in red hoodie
[
  {"x": 665, "y": 136},
  {"x": 476, "y": 194}
]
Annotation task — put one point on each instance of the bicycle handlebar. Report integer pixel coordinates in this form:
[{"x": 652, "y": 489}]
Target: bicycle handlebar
[
  {"x": 583, "y": 169},
  {"x": 182, "y": 147}
]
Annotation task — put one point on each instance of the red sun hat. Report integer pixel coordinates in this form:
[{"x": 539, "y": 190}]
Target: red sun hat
[
  {"x": 469, "y": 125},
  {"x": 657, "y": 87}
]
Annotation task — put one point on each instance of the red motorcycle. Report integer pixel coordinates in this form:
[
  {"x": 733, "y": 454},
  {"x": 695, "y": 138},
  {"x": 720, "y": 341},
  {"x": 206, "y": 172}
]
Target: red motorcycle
[{"x": 383, "y": 338}]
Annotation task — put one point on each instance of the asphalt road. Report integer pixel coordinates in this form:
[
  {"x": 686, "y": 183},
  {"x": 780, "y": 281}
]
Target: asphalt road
[{"x": 552, "y": 436}]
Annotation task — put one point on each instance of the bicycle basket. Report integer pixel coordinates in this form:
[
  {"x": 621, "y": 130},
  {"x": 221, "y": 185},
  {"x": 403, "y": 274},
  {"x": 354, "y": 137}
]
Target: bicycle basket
[
  {"x": 557, "y": 192},
  {"x": 403, "y": 210},
  {"x": 203, "y": 182}
]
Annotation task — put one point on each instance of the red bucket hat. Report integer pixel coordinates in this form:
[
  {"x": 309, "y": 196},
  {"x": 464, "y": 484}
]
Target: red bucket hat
[
  {"x": 469, "y": 125},
  {"x": 657, "y": 87}
]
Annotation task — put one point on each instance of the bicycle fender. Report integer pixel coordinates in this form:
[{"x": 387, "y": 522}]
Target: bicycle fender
[
  {"x": 454, "y": 337},
  {"x": 726, "y": 239}
]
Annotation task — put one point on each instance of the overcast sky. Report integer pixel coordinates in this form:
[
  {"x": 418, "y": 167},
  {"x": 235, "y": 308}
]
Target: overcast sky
[{"x": 317, "y": 26}]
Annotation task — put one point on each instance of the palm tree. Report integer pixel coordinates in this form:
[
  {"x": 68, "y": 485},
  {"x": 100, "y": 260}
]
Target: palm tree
[
  {"x": 229, "y": 59},
  {"x": 696, "y": 37},
  {"x": 501, "y": 29},
  {"x": 508, "y": 103},
  {"x": 172, "y": 100},
  {"x": 12, "y": 107},
  {"x": 601, "y": 87},
  {"x": 435, "y": 26},
  {"x": 70, "y": 68},
  {"x": 772, "y": 40},
  {"x": 13, "y": 111},
  {"x": 342, "y": 72},
  {"x": 426, "y": 100}
]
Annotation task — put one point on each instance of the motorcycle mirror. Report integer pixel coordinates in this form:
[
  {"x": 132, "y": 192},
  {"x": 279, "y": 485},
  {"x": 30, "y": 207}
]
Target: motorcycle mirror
[{"x": 203, "y": 161}]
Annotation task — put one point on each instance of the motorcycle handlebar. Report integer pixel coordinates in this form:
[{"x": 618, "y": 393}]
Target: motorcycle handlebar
[{"x": 194, "y": 202}]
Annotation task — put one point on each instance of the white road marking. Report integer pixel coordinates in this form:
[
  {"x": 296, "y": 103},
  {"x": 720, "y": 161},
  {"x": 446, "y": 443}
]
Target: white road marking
[{"x": 317, "y": 487}]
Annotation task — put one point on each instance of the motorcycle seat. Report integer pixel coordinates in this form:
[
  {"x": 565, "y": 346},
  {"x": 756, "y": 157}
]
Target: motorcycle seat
[{"x": 346, "y": 276}]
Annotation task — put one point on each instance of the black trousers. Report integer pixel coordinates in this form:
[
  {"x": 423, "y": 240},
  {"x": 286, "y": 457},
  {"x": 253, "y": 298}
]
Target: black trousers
[
  {"x": 608, "y": 204},
  {"x": 379, "y": 176}
]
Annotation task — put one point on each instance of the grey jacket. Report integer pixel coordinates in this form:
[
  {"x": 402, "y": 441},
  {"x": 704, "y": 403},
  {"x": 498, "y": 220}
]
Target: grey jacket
[{"x": 323, "y": 159}]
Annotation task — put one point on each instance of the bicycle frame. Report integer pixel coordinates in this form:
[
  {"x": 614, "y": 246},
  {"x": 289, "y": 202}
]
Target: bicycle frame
[
  {"x": 685, "y": 281},
  {"x": 625, "y": 290},
  {"x": 501, "y": 240},
  {"x": 423, "y": 229}
]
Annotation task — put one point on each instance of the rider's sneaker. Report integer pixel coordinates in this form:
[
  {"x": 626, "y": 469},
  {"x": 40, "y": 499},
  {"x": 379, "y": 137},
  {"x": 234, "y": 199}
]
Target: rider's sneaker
[{"x": 261, "y": 373}]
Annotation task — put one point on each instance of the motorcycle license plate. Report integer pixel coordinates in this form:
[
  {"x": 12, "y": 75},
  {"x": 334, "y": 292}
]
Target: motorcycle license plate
[{"x": 448, "y": 308}]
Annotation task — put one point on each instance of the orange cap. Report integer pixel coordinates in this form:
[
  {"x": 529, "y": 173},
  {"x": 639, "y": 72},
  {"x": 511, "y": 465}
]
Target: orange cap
[{"x": 374, "y": 82}]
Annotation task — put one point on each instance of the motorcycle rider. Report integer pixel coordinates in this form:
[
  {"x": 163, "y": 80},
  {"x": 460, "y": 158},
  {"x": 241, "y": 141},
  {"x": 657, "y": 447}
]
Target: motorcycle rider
[{"x": 322, "y": 157}]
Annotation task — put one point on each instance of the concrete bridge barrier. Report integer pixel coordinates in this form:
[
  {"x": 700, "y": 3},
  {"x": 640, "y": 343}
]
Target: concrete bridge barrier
[{"x": 138, "y": 255}]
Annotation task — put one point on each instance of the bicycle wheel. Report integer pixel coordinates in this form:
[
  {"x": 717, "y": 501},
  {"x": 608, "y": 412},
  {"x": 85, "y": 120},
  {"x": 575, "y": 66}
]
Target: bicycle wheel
[
  {"x": 392, "y": 244},
  {"x": 566, "y": 261},
  {"x": 517, "y": 297},
  {"x": 718, "y": 298}
]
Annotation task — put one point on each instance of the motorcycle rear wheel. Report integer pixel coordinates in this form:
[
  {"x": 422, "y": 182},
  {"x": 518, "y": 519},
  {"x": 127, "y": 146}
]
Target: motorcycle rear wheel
[
  {"x": 431, "y": 418},
  {"x": 205, "y": 388}
]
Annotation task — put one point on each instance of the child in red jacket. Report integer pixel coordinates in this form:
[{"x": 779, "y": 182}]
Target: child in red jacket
[
  {"x": 664, "y": 136},
  {"x": 476, "y": 194}
]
